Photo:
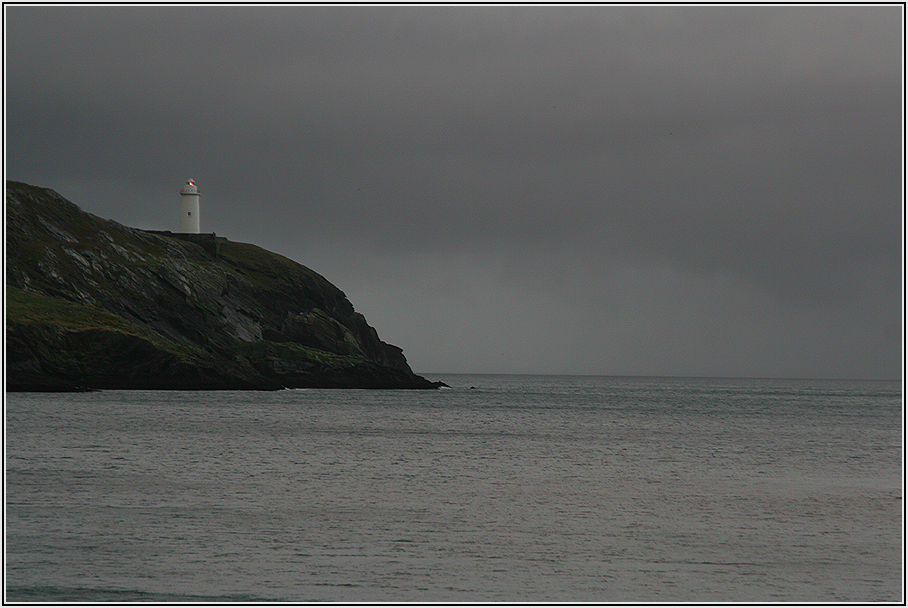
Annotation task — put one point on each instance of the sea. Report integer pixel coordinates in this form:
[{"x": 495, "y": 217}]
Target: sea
[{"x": 501, "y": 488}]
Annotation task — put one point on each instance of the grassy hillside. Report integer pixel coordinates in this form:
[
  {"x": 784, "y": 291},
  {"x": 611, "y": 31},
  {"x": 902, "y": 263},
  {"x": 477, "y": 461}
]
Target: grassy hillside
[{"x": 92, "y": 303}]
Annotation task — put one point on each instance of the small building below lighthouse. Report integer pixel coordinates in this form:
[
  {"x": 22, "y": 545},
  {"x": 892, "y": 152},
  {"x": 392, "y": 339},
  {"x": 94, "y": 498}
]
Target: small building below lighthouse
[{"x": 189, "y": 208}]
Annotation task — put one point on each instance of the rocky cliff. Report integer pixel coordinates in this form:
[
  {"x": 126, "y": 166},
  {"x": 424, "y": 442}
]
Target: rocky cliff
[{"x": 94, "y": 304}]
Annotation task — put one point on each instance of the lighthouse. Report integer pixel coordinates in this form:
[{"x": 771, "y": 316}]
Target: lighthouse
[{"x": 189, "y": 208}]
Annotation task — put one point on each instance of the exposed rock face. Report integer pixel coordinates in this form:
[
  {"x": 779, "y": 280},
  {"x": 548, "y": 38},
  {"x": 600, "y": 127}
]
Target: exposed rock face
[{"x": 94, "y": 304}]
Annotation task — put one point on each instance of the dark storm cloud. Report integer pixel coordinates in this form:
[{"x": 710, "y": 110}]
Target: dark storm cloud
[{"x": 758, "y": 147}]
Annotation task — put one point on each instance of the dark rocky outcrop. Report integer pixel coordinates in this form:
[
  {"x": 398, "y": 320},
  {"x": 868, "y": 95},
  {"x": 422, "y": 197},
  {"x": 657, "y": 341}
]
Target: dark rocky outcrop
[{"x": 92, "y": 304}]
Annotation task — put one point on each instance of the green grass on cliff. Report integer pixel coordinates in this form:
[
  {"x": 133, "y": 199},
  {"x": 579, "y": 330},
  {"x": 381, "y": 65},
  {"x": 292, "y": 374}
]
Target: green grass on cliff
[
  {"x": 34, "y": 309},
  {"x": 29, "y": 308},
  {"x": 268, "y": 270},
  {"x": 293, "y": 351}
]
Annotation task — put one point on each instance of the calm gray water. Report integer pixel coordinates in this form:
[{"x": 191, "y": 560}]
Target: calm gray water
[{"x": 524, "y": 488}]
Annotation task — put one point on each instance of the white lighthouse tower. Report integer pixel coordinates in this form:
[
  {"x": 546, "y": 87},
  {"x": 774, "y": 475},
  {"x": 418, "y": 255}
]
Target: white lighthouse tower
[{"x": 189, "y": 208}]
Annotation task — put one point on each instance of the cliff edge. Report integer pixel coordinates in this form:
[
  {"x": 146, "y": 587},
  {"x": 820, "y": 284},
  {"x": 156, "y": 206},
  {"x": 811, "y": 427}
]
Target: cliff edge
[{"x": 92, "y": 304}]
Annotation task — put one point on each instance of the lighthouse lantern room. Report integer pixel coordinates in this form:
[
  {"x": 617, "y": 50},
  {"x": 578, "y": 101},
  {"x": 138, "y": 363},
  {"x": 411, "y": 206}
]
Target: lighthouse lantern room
[{"x": 189, "y": 208}]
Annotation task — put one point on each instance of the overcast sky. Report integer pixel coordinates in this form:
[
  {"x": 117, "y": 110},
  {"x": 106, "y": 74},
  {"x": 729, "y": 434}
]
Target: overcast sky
[{"x": 594, "y": 190}]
